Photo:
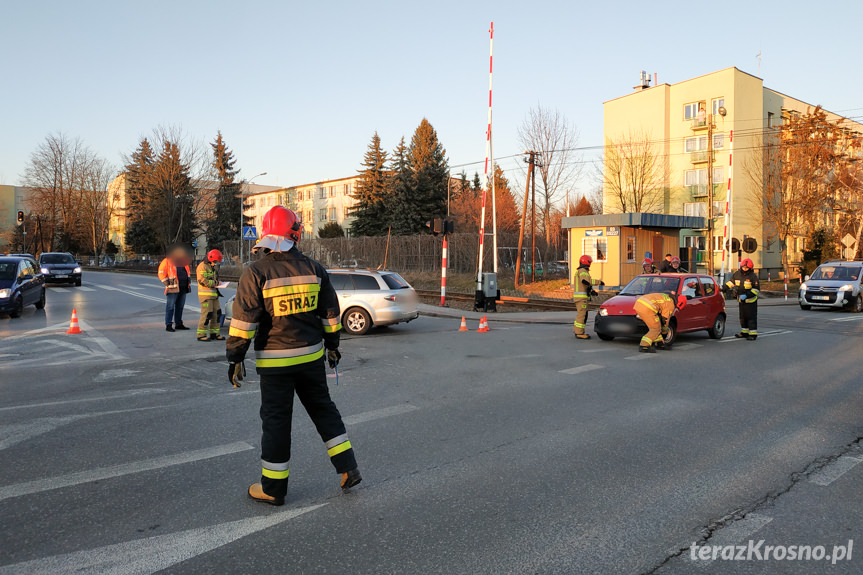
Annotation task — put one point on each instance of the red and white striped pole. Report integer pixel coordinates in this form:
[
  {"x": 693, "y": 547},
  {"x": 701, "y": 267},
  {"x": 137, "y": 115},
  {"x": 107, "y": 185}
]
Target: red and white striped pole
[
  {"x": 727, "y": 228},
  {"x": 487, "y": 147},
  {"x": 443, "y": 274}
]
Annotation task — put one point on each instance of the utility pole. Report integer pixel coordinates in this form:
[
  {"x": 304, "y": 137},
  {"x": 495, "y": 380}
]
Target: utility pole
[
  {"x": 530, "y": 164},
  {"x": 533, "y": 229},
  {"x": 710, "y": 192}
]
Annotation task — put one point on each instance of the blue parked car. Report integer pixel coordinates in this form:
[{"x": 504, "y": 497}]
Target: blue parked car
[{"x": 21, "y": 285}]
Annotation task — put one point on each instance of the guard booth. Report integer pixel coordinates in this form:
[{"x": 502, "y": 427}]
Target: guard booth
[{"x": 618, "y": 243}]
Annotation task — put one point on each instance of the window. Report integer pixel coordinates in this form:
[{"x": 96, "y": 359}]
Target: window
[
  {"x": 696, "y": 144},
  {"x": 597, "y": 248},
  {"x": 252, "y": 204},
  {"x": 718, "y": 141},
  {"x": 341, "y": 281},
  {"x": 332, "y": 191},
  {"x": 718, "y": 242},
  {"x": 719, "y": 175},
  {"x": 395, "y": 281},
  {"x": 323, "y": 193},
  {"x": 694, "y": 177},
  {"x": 363, "y": 282},
  {"x": 333, "y": 216},
  {"x": 308, "y": 194},
  {"x": 309, "y": 218},
  {"x": 718, "y": 103},
  {"x": 769, "y": 119},
  {"x": 630, "y": 248},
  {"x": 347, "y": 190},
  {"x": 323, "y": 214},
  {"x": 692, "y": 291},
  {"x": 708, "y": 286},
  {"x": 300, "y": 217},
  {"x": 690, "y": 111},
  {"x": 351, "y": 211},
  {"x": 697, "y": 242}
]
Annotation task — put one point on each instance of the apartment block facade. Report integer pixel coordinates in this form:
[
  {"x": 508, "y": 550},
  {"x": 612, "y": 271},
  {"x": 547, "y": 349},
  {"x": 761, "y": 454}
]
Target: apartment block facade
[
  {"x": 709, "y": 129},
  {"x": 316, "y": 204}
]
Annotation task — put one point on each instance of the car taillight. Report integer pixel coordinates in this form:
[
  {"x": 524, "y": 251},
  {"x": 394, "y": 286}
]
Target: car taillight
[{"x": 390, "y": 297}]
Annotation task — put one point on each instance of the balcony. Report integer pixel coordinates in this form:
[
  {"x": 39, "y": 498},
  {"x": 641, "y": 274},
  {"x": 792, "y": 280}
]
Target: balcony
[
  {"x": 700, "y": 190},
  {"x": 699, "y": 124},
  {"x": 699, "y": 157}
]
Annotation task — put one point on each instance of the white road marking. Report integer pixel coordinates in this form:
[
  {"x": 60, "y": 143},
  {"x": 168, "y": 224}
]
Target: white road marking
[
  {"x": 132, "y": 287},
  {"x": 733, "y": 534},
  {"x": 17, "y": 432},
  {"x": 640, "y": 356},
  {"x": 581, "y": 369},
  {"x": 835, "y": 470},
  {"x": 64, "y": 326},
  {"x": 853, "y": 318},
  {"x": 760, "y": 335},
  {"x": 153, "y": 554},
  {"x": 9, "y": 354},
  {"x": 115, "y": 374},
  {"x": 595, "y": 350},
  {"x": 379, "y": 413},
  {"x": 147, "y": 297},
  {"x": 83, "y": 288},
  {"x": 51, "y": 483},
  {"x": 106, "y": 397},
  {"x": 685, "y": 346}
]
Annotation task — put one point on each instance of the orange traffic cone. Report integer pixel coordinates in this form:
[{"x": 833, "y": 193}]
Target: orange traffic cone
[
  {"x": 73, "y": 325},
  {"x": 483, "y": 325},
  {"x": 485, "y": 320},
  {"x": 463, "y": 325}
]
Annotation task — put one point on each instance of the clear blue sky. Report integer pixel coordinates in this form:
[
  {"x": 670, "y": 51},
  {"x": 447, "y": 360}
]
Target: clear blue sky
[{"x": 298, "y": 88}]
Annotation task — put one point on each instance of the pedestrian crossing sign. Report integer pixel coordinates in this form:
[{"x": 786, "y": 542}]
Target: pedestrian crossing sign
[{"x": 250, "y": 233}]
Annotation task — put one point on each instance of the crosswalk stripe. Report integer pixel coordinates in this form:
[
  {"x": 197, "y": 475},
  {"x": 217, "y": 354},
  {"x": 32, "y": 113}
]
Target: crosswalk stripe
[
  {"x": 51, "y": 483},
  {"x": 581, "y": 369},
  {"x": 153, "y": 554},
  {"x": 84, "y": 288}
]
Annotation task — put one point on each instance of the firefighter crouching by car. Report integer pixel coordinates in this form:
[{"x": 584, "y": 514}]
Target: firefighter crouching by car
[
  {"x": 744, "y": 287},
  {"x": 582, "y": 291},
  {"x": 655, "y": 310},
  {"x": 285, "y": 301},
  {"x": 207, "y": 274}
]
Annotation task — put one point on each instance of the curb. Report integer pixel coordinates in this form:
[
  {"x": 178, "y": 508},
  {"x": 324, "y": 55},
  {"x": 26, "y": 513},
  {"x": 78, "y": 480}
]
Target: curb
[{"x": 503, "y": 319}]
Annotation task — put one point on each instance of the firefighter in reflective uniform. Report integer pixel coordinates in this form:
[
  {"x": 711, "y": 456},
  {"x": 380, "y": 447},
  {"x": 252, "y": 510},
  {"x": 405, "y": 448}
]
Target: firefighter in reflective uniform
[
  {"x": 582, "y": 290},
  {"x": 655, "y": 310},
  {"x": 675, "y": 268},
  {"x": 744, "y": 286},
  {"x": 207, "y": 273},
  {"x": 647, "y": 266},
  {"x": 285, "y": 301}
]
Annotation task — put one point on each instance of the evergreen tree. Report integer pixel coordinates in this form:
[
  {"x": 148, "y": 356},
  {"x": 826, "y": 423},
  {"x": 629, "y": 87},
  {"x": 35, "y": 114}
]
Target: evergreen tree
[
  {"x": 371, "y": 210},
  {"x": 140, "y": 235},
  {"x": 174, "y": 197},
  {"x": 224, "y": 225},
  {"x": 331, "y": 230},
  {"x": 428, "y": 164},
  {"x": 477, "y": 183},
  {"x": 400, "y": 188}
]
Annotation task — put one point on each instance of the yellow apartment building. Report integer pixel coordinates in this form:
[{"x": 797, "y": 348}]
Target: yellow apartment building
[
  {"x": 316, "y": 204},
  {"x": 709, "y": 128},
  {"x": 12, "y": 199}
]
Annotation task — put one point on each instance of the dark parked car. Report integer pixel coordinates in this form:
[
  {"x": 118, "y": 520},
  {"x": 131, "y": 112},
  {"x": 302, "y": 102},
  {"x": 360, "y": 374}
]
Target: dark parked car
[
  {"x": 60, "y": 267},
  {"x": 20, "y": 285}
]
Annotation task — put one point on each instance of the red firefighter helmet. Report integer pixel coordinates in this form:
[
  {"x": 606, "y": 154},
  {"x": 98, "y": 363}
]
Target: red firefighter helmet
[
  {"x": 675, "y": 259},
  {"x": 280, "y": 221},
  {"x": 214, "y": 256},
  {"x": 647, "y": 262},
  {"x": 585, "y": 260},
  {"x": 747, "y": 263}
]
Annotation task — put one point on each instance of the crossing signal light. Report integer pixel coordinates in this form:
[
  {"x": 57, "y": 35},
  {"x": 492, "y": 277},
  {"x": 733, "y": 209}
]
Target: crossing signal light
[
  {"x": 440, "y": 226},
  {"x": 20, "y": 217}
]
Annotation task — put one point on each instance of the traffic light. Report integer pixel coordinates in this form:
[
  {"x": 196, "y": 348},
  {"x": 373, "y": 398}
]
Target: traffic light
[
  {"x": 439, "y": 226},
  {"x": 20, "y": 217}
]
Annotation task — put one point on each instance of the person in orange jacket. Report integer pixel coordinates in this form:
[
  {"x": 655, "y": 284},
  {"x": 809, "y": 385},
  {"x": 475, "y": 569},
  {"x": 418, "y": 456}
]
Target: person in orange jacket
[
  {"x": 655, "y": 310},
  {"x": 175, "y": 273}
]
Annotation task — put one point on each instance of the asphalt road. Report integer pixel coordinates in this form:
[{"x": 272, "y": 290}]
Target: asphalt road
[{"x": 124, "y": 449}]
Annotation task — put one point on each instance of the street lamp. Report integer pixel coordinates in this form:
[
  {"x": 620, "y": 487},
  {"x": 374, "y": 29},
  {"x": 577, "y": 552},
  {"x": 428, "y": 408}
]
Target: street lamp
[{"x": 243, "y": 211}]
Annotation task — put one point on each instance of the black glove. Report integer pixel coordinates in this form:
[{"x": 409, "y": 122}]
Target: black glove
[
  {"x": 218, "y": 293},
  {"x": 333, "y": 357},
  {"x": 594, "y": 292},
  {"x": 236, "y": 372},
  {"x": 602, "y": 283}
]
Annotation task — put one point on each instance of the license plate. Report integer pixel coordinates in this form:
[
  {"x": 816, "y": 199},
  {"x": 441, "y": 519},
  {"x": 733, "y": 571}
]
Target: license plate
[
  {"x": 619, "y": 326},
  {"x": 821, "y": 297},
  {"x": 61, "y": 276}
]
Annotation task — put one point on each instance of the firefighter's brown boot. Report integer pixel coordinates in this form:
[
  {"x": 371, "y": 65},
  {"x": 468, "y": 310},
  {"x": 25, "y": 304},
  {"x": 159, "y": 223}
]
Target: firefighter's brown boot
[
  {"x": 647, "y": 349},
  {"x": 350, "y": 479},
  {"x": 582, "y": 336},
  {"x": 256, "y": 492}
]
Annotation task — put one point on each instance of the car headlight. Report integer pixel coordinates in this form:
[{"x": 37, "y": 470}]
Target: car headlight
[
  {"x": 45, "y": 271},
  {"x": 77, "y": 270},
  {"x": 603, "y": 312},
  {"x": 846, "y": 287},
  {"x": 803, "y": 286},
  {"x": 5, "y": 293}
]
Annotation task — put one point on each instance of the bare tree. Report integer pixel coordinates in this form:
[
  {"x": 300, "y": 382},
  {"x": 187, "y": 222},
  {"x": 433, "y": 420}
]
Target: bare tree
[
  {"x": 554, "y": 138},
  {"x": 97, "y": 205},
  {"x": 633, "y": 175}
]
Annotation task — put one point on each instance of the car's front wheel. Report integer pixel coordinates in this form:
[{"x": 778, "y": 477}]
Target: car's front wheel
[
  {"x": 19, "y": 307},
  {"x": 41, "y": 303},
  {"x": 671, "y": 335},
  {"x": 718, "y": 329},
  {"x": 604, "y": 337},
  {"x": 357, "y": 321},
  {"x": 858, "y": 304}
]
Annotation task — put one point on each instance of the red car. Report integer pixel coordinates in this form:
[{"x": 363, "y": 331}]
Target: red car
[{"x": 705, "y": 307}]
